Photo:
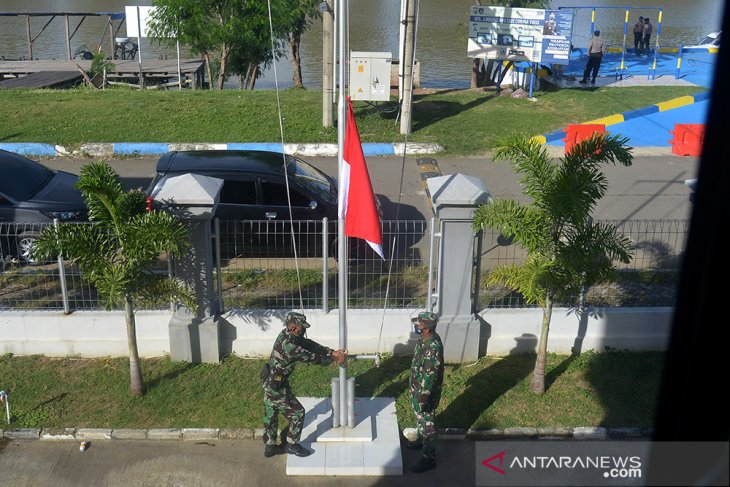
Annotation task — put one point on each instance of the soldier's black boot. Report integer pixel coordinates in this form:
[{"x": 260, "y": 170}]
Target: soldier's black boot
[
  {"x": 297, "y": 449},
  {"x": 423, "y": 465},
  {"x": 414, "y": 445},
  {"x": 271, "y": 450}
]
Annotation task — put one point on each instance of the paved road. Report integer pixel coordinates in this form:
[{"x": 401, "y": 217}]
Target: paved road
[
  {"x": 220, "y": 463},
  {"x": 652, "y": 188}
]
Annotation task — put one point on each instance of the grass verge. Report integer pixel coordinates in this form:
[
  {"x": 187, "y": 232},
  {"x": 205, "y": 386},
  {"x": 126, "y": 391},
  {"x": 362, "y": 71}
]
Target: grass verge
[
  {"x": 606, "y": 389},
  {"x": 464, "y": 122}
]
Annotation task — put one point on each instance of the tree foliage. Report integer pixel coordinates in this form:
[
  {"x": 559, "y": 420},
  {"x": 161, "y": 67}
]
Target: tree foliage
[
  {"x": 118, "y": 250},
  {"x": 216, "y": 27},
  {"x": 566, "y": 250}
]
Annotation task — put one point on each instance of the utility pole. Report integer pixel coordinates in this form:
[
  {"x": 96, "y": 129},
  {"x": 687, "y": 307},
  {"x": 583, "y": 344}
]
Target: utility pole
[
  {"x": 328, "y": 24},
  {"x": 408, "y": 57},
  {"x": 476, "y": 65}
]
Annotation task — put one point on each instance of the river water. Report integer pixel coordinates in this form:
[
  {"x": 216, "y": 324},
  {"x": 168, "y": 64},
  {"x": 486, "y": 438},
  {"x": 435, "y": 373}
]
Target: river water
[{"x": 442, "y": 32}]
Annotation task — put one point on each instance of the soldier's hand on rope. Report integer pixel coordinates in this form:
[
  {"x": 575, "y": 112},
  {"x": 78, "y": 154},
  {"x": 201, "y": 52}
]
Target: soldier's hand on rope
[{"x": 339, "y": 356}]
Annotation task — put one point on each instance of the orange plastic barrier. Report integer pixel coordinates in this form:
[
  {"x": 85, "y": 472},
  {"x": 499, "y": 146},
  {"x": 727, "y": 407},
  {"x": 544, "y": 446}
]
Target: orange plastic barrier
[
  {"x": 576, "y": 133},
  {"x": 688, "y": 139}
]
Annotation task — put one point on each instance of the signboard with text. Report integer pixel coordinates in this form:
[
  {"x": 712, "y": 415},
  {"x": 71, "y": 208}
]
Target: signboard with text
[{"x": 520, "y": 34}]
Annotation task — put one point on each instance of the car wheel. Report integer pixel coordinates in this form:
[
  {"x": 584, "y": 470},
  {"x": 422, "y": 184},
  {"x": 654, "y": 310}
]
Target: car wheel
[
  {"x": 24, "y": 245},
  {"x": 357, "y": 249}
]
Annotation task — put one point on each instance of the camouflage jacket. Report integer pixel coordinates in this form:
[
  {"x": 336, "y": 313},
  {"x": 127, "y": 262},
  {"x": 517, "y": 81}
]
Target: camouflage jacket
[
  {"x": 427, "y": 373},
  {"x": 288, "y": 350}
]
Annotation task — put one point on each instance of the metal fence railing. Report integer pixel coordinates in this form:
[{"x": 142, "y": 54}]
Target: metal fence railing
[
  {"x": 258, "y": 269},
  {"x": 28, "y": 284},
  {"x": 648, "y": 280}
]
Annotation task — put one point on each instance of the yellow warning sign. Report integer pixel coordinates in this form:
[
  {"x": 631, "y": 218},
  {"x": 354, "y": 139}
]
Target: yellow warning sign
[{"x": 359, "y": 90}]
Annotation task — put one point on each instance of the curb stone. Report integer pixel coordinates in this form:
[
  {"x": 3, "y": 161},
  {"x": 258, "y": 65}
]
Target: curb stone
[
  {"x": 57, "y": 434},
  {"x": 554, "y": 433},
  {"x": 513, "y": 433},
  {"x": 22, "y": 434},
  {"x": 491, "y": 434},
  {"x": 93, "y": 434},
  {"x": 590, "y": 433},
  {"x": 235, "y": 434},
  {"x": 164, "y": 434},
  {"x": 200, "y": 433},
  {"x": 129, "y": 434}
]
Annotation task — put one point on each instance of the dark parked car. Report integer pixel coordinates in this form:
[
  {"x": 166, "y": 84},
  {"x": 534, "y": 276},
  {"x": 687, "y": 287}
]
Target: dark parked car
[
  {"x": 255, "y": 188},
  {"x": 30, "y": 195}
]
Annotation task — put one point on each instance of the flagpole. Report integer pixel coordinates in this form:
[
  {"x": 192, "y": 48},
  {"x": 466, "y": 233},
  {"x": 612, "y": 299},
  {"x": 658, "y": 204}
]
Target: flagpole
[{"x": 341, "y": 247}]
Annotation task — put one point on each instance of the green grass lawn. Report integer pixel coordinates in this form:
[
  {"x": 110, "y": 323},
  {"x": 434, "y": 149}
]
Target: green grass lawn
[
  {"x": 606, "y": 389},
  {"x": 464, "y": 122}
]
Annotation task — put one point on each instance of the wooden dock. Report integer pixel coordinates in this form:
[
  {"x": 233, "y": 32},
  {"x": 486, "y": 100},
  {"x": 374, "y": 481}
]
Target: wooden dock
[
  {"x": 43, "y": 79},
  {"x": 154, "y": 72}
]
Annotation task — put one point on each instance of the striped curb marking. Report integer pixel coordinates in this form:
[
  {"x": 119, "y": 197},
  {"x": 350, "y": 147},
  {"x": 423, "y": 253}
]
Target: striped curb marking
[
  {"x": 427, "y": 168},
  {"x": 159, "y": 148},
  {"x": 631, "y": 114}
]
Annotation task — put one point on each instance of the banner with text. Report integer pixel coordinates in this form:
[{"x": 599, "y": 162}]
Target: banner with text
[{"x": 520, "y": 34}]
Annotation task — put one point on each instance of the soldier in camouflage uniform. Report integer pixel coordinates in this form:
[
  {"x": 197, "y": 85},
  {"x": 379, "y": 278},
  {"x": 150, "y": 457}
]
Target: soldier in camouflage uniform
[
  {"x": 290, "y": 347},
  {"x": 427, "y": 375}
]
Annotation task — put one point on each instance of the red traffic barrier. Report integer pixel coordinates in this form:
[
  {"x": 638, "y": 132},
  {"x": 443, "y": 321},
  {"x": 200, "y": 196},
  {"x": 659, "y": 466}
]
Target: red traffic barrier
[
  {"x": 576, "y": 133},
  {"x": 688, "y": 139}
]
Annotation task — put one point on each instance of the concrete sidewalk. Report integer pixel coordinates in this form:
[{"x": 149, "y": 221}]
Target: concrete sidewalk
[{"x": 198, "y": 463}]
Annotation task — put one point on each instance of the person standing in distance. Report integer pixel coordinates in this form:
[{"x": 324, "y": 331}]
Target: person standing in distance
[
  {"x": 427, "y": 376},
  {"x": 290, "y": 347},
  {"x": 595, "y": 54},
  {"x": 638, "y": 35},
  {"x": 648, "y": 28}
]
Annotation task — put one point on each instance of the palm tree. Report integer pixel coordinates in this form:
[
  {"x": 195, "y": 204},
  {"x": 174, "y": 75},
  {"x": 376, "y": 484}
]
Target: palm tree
[
  {"x": 565, "y": 250},
  {"x": 117, "y": 251}
]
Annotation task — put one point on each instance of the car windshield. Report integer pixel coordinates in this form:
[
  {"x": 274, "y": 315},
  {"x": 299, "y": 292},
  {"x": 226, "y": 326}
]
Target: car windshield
[
  {"x": 313, "y": 179},
  {"x": 22, "y": 178}
]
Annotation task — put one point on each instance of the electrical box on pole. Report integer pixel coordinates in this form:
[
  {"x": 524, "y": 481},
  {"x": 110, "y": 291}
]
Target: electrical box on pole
[{"x": 370, "y": 76}]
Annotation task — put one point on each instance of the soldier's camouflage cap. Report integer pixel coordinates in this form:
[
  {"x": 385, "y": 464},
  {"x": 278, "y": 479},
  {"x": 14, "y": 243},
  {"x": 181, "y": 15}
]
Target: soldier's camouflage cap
[
  {"x": 294, "y": 318},
  {"x": 426, "y": 318}
]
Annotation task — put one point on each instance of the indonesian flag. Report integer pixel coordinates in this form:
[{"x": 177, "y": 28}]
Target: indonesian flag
[{"x": 356, "y": 198}]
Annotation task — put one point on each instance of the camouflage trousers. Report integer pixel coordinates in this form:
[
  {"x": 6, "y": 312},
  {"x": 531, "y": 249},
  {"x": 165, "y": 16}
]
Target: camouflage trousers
[
  {"x": 282, "y": 401},
  {"x": 426, "y": 428}
]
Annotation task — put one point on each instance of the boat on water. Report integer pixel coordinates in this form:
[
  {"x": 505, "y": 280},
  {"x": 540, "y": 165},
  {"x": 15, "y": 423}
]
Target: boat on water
[{"x": 711, "y": 40}]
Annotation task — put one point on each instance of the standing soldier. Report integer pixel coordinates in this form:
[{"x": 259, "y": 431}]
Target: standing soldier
[
  {"x": 427, "y": 375},
  {"x": 290, "y": 347}
]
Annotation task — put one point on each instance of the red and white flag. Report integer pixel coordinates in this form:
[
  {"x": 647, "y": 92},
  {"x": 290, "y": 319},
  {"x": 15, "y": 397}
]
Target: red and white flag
[{"x": 356, "y": 198}]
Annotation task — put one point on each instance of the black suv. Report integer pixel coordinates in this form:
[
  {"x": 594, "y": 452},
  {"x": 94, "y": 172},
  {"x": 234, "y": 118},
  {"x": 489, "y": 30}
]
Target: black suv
[
  {"x": 253, "y": 207},
  {"x": 32, "y": 195}
]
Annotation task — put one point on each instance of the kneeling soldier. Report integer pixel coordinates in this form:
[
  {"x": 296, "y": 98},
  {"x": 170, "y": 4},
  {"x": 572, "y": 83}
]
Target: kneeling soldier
[{"x": 290, "y": 347}]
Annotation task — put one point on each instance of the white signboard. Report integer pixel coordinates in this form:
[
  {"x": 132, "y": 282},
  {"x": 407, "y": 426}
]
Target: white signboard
[
  {"x": 132, "y": 25},
  {"x": 520, "y": 34}
]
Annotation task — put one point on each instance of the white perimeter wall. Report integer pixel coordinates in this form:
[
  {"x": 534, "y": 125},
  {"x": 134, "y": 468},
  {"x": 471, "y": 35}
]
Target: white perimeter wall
[{"x": 251, "y": 333}]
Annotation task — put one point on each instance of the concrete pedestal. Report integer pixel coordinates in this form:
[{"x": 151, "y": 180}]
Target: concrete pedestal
[
  {"x": 194, "y": 340},
  {"x": 194, "y": 337},
  {"x": 455, "y": 197},
  {"x": 371, "y": 448}
]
